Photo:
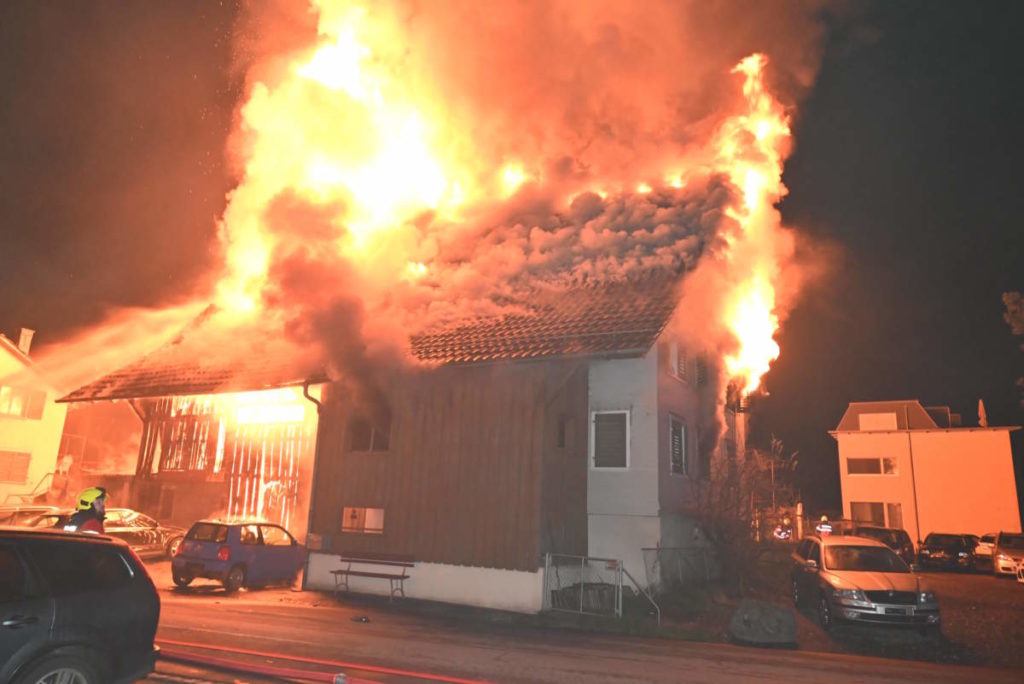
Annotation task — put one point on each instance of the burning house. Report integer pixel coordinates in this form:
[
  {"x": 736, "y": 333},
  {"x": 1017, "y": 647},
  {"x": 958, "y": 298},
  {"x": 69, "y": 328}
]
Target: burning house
[
  {"x": 577, "y": 427},
  {"x": 507, "y": 280}
]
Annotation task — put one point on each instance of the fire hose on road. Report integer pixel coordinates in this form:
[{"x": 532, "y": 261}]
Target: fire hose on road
[{"x": 178, "y": 651}]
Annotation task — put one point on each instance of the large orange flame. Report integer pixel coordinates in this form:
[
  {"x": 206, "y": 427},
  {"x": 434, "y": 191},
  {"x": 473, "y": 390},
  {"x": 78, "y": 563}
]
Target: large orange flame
[{"x": 751, "y": 149}]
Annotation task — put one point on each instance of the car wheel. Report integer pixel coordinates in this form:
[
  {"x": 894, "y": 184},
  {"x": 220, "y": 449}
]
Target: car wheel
[
  {"x": 796, "y": 592},
  {"x": 824, "y": 614},
  {"x": 173, "y": 546},
  {"x": 62, "y": 669},
  {"x": 235, "y": 579},
  {"x": 182, "y": 580}
]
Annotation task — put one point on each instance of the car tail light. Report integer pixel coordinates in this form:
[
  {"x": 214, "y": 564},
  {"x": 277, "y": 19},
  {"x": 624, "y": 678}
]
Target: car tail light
[{"x": 224, "y": 553}]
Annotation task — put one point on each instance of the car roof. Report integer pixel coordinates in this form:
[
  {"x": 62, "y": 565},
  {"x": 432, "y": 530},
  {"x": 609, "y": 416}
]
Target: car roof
[
  {"x": 851, "y": 540},
  {"x": 52, "y": 533},
  {"x": 236, "y": 521}
]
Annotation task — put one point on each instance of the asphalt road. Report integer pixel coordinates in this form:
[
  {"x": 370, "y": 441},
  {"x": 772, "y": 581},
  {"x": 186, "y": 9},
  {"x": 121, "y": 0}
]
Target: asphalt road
[{"x": 309, "y": 625}]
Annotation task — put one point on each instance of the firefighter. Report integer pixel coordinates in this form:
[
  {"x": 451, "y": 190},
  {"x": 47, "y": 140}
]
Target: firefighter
[
  {"x": 824, "y": 527},
  {"x": 784, "y": 530},
  {"x": 92, "y": 506}
]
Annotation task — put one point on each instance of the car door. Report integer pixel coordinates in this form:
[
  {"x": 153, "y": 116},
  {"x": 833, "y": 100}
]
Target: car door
[
  {"x": 811, "y": 575},
  {"x": 250, "y": 553},
  {"x": 280, "y": 552},
  {"x": 25, "y": 613}
]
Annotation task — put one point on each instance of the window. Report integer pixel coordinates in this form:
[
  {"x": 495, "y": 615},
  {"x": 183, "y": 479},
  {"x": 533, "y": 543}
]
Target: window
[
  {"x": 676, "y": 445},
  {"x": 22, "y": 402},
  {"x": 275, "y": 536},
  {"x": 363, "y": 520},
  {"x": 14, "y": 466},
  {"x": 609, "y": 439},
  {"x": 871, "y": 466},
  {"x": 75, "y": 568},
  {"x": 12, "y": 576},
  {"x": 249, "y": 535},
  {"x": 895, "y": 512},
  {"x": 208, "y": 532},
  {"x": 702, "y": 371},
  {"x": 678, "y": 361},
  {"x": 365, "y": 436},
  {"x": 873, "y": 512}
]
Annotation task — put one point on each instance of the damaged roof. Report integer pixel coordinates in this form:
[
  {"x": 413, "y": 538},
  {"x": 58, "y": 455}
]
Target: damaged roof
[
  {"x": 619, "y": 318},
  {"x": 186, "y": 365}
]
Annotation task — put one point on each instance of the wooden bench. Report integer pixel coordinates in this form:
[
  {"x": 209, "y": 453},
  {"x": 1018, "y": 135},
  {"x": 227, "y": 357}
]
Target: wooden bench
[{"x": 394, "y": 562}]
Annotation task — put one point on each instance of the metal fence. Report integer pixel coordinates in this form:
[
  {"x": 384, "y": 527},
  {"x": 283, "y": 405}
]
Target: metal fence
[
  {"x": 670, "y": 567},
  {"x": 580, "y": 584}
]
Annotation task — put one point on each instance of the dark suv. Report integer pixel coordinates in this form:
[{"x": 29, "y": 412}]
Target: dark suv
[{"x": 74, "y": 608}]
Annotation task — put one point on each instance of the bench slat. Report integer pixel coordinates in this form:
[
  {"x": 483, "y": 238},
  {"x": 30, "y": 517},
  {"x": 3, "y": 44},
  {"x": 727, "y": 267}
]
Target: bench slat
[
  {"x": 377, "y": 561},
  {"x": 358, "y": 573}
]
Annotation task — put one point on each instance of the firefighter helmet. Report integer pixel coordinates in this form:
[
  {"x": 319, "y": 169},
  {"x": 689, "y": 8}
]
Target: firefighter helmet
[{"x": 89, "y": 496}]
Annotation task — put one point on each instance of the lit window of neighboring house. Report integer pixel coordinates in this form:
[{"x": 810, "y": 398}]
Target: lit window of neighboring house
[
  {"x": 14, "y": 466},
  {"x": 871, "y": 466},
  {"x": 21, "y": 402},
  {"x": 362, "y": 520},
  {"x": 609, "y": 439},
  {"x": 677, "y": 446},
  {"x": 365, "y": 436}
]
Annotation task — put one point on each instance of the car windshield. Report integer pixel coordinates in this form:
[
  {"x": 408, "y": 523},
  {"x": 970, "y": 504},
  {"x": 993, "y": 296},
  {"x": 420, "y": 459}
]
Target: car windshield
[
  {"x": 208, "y": 532},
  {"x": 1011, "y": 541},
  {"x": 863, "y": 559},
  {"x": 884, "y": 536}
]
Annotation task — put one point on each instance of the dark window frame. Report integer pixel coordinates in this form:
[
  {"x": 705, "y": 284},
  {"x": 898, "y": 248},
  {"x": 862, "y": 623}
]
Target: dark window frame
[{"x": 594, "y": 451}]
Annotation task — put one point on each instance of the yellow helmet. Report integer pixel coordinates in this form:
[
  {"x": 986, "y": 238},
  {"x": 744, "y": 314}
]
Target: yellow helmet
[
  {"x": 89, "y": 496},
  {"x": 824, "y": 518}
]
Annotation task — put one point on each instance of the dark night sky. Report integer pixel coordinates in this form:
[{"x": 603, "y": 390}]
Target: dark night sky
[{"x": 114, "y": 118}]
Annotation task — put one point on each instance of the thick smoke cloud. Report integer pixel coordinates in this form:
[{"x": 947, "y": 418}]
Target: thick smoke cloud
[{"x": 589, "y": 98}]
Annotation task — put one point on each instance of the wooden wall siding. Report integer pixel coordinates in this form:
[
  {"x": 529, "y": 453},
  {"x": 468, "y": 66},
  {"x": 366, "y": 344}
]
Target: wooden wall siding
[
  {"x": 461, "y": 483},
  {"x": 266, "y": 468},
  {"x": 564, "y": 483}
]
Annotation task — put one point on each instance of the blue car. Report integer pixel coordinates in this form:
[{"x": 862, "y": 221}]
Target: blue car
[{"x": 245, "y": 553}]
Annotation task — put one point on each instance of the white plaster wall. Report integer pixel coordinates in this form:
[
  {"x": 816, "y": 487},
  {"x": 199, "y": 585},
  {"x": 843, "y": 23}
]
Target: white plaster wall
[
  {"x": 622, "y": 537},
  {"x": 626, "y": 385},
  {"x": 512, "y": 590}
]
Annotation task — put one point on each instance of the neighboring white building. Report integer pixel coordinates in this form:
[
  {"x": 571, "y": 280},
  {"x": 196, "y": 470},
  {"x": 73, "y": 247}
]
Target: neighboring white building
[
  {"x": 916, "y": 468},
  {"x": 30, "y": 424}
]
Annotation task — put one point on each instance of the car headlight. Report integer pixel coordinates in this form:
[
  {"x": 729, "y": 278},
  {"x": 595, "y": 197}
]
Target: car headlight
[
  {"x": 963, "y": 554},
  {"x": 926, "y": 597},
  {"x": 925, "y": 552},
  {"x": 849, "y": 594},
  {"x": 1004, "y": 557}
]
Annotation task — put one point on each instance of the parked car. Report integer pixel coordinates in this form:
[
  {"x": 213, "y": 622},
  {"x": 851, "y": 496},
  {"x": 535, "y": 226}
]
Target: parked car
[
  {"x": 860, "y": 580},
  {"x": 896, "y": 539},
  {"x": 1007, "y": 553},
  {"x": 24, "y": 516},
  {"x": 146, "y": 536},
  {"x": 947, "y": 551},
  {"x": 983, "y": 551},
  {"x": 74, "y": 608},
  {"x": 238, "y": 554}
]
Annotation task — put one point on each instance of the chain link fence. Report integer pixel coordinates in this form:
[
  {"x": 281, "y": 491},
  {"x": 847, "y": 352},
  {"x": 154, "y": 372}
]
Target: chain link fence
[{"x": 668, "y": 568}]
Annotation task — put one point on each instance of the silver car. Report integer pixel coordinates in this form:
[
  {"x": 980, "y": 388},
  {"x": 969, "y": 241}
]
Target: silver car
[
  {"x": 860, "y": 580},
  {"x": 1007, "y": 553}
]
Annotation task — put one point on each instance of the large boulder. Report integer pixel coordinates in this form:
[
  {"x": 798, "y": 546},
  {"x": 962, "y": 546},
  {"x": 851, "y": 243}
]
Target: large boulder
[{"x": 762, "y": 624}]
